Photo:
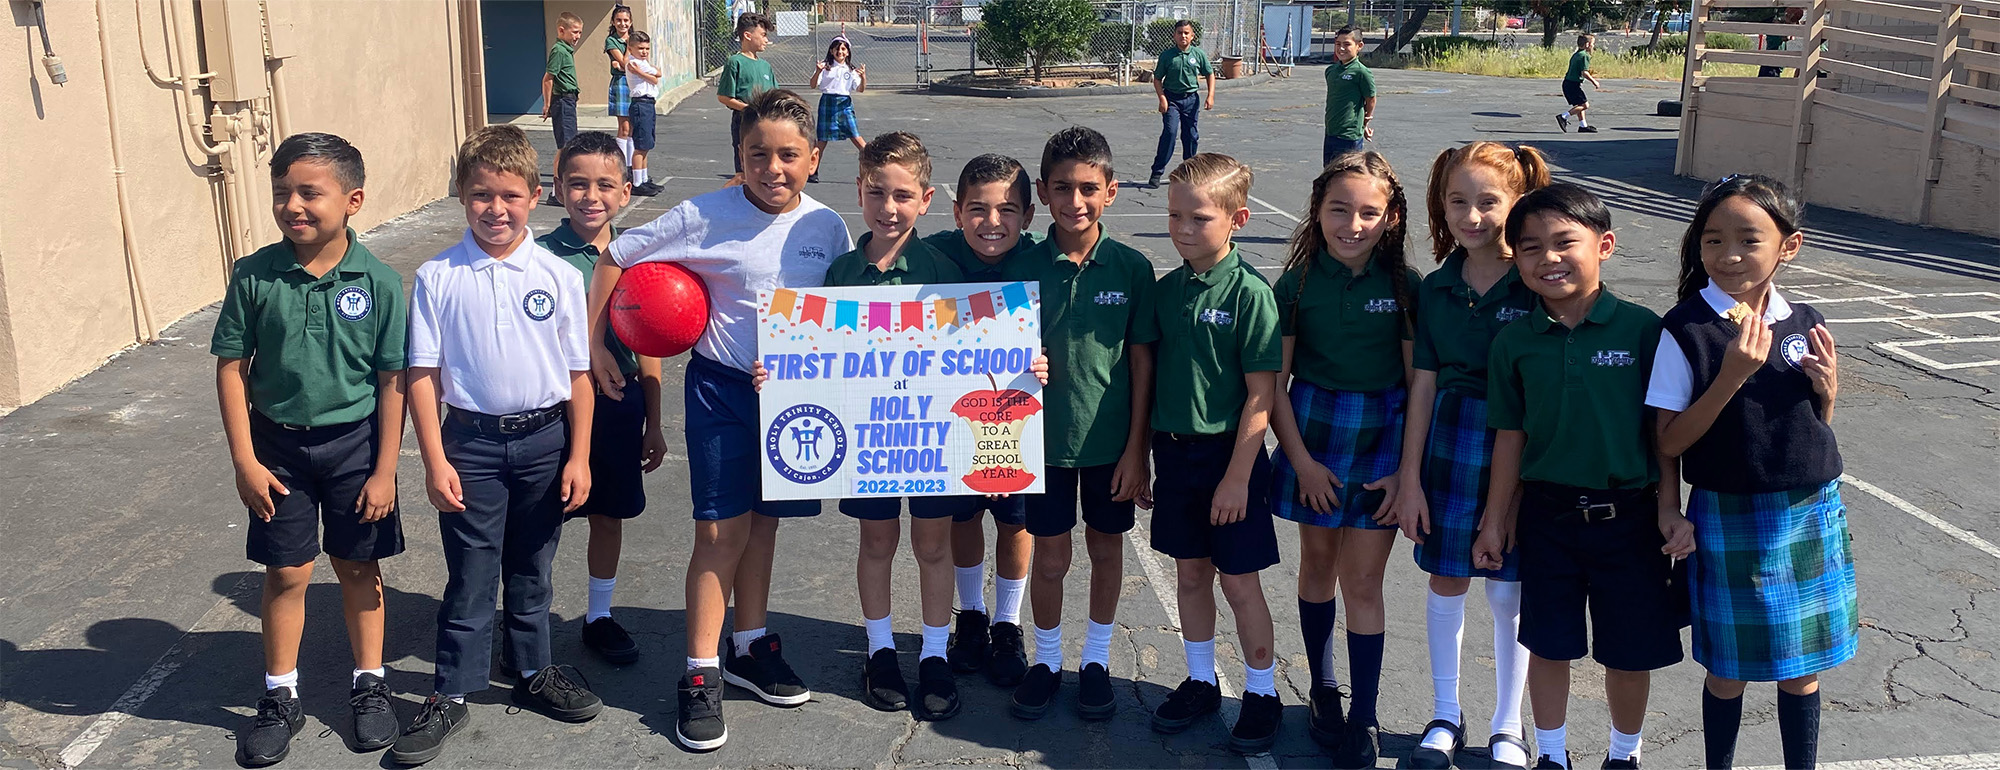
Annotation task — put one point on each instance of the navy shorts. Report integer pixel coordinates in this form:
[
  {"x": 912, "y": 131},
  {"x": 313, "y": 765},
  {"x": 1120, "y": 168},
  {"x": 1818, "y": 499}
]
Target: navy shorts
[
  {"x": 1010, "y": 510},
  {"x": 725, "y": 450},
  {"x": 886, "y": 508},
  {"x": 1053, "y": 512},
  {"x": 1334, "y": 147},
  {"x": 1573, "y": 93},
  {"x": 617, "y": 455},
  {"x": 1187, "y": 471},
  {"x": 1611, "y": 568},
  {"x": 644, "y": 112},
  {"x": 325, "y": 469}
]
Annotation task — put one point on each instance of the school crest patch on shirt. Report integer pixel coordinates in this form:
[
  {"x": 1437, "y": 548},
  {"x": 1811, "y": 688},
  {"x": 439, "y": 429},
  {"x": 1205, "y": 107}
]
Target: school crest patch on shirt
[
  {"x": 1614, "y": 358},
  {"x": 1506, "y": 314},
  {"x": 1793, "y": 349},
  {"x": 539, "y": 305},
  {"x": 1383, "y": 305},
  {"x": 1216, "y": 317},
  {"x": 353, "y": 303},
  {"x": 813, "y": 253},
  {"x": 1348, "y": 76},
  {"x": 1111, "y": 298}
]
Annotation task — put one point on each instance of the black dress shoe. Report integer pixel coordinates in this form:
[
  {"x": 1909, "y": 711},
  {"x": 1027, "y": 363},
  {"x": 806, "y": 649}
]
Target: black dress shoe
[
  {"x": 1427, "y": 758},
  {"x": 1503, "y": 738},
  {"x": 1359, "y": 748},
  {"x": 1326, "y": 724}
]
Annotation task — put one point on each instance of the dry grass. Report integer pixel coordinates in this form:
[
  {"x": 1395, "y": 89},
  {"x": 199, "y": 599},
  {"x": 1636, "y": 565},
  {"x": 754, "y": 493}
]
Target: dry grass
[{"x": 1539, "y": 62}]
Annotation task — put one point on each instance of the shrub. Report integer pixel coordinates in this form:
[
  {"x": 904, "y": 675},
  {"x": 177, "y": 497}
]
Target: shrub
[
  {"x": 1040, "y": 32},
  {"x": 1160, "y": 34},
  {"x": 1729, "y": 40},
  {"x": 1111, "y": 41},
  {"x": 1433, "y": 47}
]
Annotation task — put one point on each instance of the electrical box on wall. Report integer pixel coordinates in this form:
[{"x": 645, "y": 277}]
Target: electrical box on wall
[{"x": 232, "y": 35}]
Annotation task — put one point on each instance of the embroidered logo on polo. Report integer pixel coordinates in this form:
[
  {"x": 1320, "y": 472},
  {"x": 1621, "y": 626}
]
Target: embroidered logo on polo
[
  {"x": 1506, "y": 314},
  {"x": 1216, "y": 317},
  {"x": 1111, "y": 298},
  {"x": 353, "y": 303},
  {"x": 813, "y": 253},
  {"x": 539, "y": 305},
  {"x": 1383, "y": 305},
  {"x": 1614, "y": 358},
  {"x": 806, "y": 444},
  {"x": 1348, "y": 76},
  {"x": 1793, "y": 349}
]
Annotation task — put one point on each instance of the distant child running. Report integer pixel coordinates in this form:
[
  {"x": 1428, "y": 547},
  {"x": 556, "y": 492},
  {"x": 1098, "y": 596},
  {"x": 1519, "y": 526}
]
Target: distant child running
[
  {"x": 1579, "y": 71},
  {"x": 310, "y": 351},
  {"x": 619, "y": 101},
  {"x": 744, "y": 76},
  {"x": 1350, "y": 98},
  {"x": 645, "y": 112},
  {"x": 838, "y": 78},
  {"x": 1745, "y": 383},
  {"x": 1447, "y": 447},
  {"x": 1345, "y": 304}
]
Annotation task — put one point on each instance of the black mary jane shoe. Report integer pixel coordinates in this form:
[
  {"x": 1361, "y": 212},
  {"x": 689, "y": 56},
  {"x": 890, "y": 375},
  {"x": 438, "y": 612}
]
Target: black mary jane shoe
[
  {"x": 1516, "y": 742},
  {"x": 1427, "y": 758}
]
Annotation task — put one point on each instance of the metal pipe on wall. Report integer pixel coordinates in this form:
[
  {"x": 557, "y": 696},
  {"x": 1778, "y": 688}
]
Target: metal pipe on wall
[{"x": 141, "y": 306}]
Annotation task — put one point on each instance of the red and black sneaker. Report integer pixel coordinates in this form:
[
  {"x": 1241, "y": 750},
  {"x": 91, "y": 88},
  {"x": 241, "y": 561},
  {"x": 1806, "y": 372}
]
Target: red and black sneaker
[
  {"x": 763, "y": 671},
  {"x": 699, "y": 726}
]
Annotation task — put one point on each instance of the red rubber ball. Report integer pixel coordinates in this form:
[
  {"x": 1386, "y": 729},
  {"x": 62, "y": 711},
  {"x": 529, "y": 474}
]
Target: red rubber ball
[{"x": 659, "y": 309}]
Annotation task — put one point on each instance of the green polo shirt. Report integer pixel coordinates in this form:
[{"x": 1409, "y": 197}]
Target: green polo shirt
[
  {"x": 314, "y": 344},
  {"x": 562, "y": 64},
  {"x": 917, "y": 264},
  {"x": 1350, "y": 327},
  {"x": 1180, "y": 72},
  {"x": 1456, "y": 325},
  {"x": 1213, "y": 327},
  {"x": 612, "y": 43},
  {"x": 565, "y": 243},
  {"x": 1347, "y": 86},
  {"x": 1580, "y": 394},
  {"x": 952, "y": 244},
  {"x": 743, "y": 78},
  {"x": 1091, "y": 314},
  {"x": 1578, "y": 62}
]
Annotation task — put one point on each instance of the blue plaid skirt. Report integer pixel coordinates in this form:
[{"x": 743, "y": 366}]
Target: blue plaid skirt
[
  {"x": 1771, "y": 583},
  {"x": 619, "y": 102},
  {"x": 836, "y": 118},
  {"x": 1458, "y": 462},
  {"x": 1358, "y": 436}
]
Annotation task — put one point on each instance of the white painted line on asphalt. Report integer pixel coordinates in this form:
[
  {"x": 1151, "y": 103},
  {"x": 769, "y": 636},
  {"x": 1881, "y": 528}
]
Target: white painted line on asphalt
[
  {"x": 149, "y": 683},
  {"x": 1274, "y": 209},
  {"x": 1943, "y": 526},
  {"x": 1888, "y": 298},
  {"x": 1947, "y": 762}
]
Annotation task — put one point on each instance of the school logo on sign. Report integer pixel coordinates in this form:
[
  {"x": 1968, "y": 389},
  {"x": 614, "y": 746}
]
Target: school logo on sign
[
  {"x": 1793, "y": 349},
  {"x": 806, "y": 444},
  {"x": 1111, "y": 298},
  {"x": 539, "y": 305},
  {"x": 1614, "y": 358},
  {"x": 1216, "y": 317},
  {"x": 353, "y": 303},
  {"x": 1506, "y": 314},
  {"x": 1384, "y": 305}
]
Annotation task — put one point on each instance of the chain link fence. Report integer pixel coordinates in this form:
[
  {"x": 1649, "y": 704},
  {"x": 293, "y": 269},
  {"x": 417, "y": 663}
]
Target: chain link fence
[{"x": 1125, "y": 39}]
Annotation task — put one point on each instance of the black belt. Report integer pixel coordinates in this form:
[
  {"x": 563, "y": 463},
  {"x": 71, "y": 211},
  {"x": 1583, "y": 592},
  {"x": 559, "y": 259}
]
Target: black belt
[
  {"x": 642, "y": 98},
  {"x": 256, "y": 415},
  {"x": 508, "y": 424},
  {"x": 1589, "y": 505},
  {"x": 1191, "y": 437}
]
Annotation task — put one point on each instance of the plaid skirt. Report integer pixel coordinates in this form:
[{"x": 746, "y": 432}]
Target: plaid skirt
[
  {"x": 619, "y": 101},
  {"x": 1458, "y": 462},
  {"x": 1358, "y": 436},
  {"x": 1771, "y": 583},
  {"x": 836, "y": 118}
]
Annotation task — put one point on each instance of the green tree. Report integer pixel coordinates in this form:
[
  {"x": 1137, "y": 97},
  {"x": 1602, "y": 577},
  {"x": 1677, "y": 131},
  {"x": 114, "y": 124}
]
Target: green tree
[
  {"x": 1556, "y": 15},
  {"x": 1040, "y": 32}
]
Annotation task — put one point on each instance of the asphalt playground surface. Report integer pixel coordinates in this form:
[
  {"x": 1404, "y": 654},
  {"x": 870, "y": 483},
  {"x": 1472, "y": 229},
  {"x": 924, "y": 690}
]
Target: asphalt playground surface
[{"x": 128, "y": 633}]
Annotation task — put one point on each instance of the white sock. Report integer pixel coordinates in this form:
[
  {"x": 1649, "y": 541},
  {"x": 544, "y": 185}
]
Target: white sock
[
  {"x": 458, "y": 699},
  {"x": 380, "y": 673},
  {"x": 694, "y": 663},
  {"x": 935, "y": 638},
  {"x": 288, "y": 681},
  {"x": 1444, "y": 623},
  {"x": 1097, "y": 645},
  {"x": 1625, "y": 746},
  {"x": 1048, "y": 647},
  {"x": 528, "y": 673},
  {"x": 1553, "y": 744},
  {"x": 1200, "y": 660},
  {"x": 600, "y": 598},
  {"x": 880, "y": 636},
  {"x": 1510, "y": 659},
  {"x": 1007, "y": 599},
  {"x": 625, "y": 147},
  {"x": 639, "y": 176},
  {"x": 971, "y": 587},
  {"x": 1562, "y": 115},
  {"x": 741, "y": 639},
  {"x": 1257, "y": 680},
  {"x": 1582, "y": 121}
]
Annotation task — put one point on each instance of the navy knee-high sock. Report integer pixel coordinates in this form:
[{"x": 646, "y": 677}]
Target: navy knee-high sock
[
  {"x": 1798, "y": 728},
  {"x": 1364, "y": 665},
  {"x": 1316, "y": 622},
  {"x": 1720, "y": 719}
]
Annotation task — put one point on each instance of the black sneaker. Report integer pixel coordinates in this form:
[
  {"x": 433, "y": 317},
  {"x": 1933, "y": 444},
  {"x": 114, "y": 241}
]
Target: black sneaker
[
  {"x": 1325, "y": 723},
  {"x": 814, "y": 179},
  {"x": 1257, "y": 724},
  {"x": 1427, "y": 758},
  {"x": 1154, "y": 180},
  {"x": 560, "y": 693},
  {"x": 763, "y": 671},
  {"x": 608, "y": 639},
  {"x": 699, "y": 725},
  {"x": 969, "y": 647},
  {"x": 424, "y": 739},
  {"x": 1192, "y": 700},
  {"x": 1629, "y": 763},
  {"x": 937, "y": 690},
  {"x": 882, "y": 685},
  {"x": 1586, "y": 129},
  {"x": 648, "y": 190},
  {"x": 1036, "y": 691},
  {"x": 269, "y": 738},
  {"x": 1094, "y": 699},
  {"x": 1563, "y": 122},
  {"x": 374, "y": 719},
  {"x": 1006, "y": 657},
  {"x": 1359, "y": 748},
  {"x": 1549, "y": 764}
]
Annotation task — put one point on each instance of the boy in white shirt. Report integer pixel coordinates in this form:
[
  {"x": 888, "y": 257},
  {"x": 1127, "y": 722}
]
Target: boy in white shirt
[{"x": 645, "y": 95}]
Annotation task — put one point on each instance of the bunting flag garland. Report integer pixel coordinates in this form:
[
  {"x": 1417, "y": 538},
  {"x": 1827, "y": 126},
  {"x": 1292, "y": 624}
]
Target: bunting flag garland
[
  {"x": 946, "y": 312},
  {"x": 912, "y": 316},
  {"x": 781, "y": 302},
  {"x": 1016, "y": 296},
  {"x": 982, "y": 305},
  {"x": 878, "y": 316},
  {"x": 846, "y": 314},
  {"x": 921, "y": 315},
  {"x": 814, "y": 312}
]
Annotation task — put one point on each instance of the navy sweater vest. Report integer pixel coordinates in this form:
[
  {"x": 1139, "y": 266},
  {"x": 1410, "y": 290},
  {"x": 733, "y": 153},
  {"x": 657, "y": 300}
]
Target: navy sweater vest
[{"x": 1771, "y": 437}]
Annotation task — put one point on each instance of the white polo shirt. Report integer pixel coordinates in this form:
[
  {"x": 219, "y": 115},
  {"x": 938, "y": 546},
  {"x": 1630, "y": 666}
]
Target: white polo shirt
[
  {"x": 505, "y": 334},
  {"x": 738, "y": 250},
  {"x": 1672, "y": 384},
  {"x": 640, "y": 86}
]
